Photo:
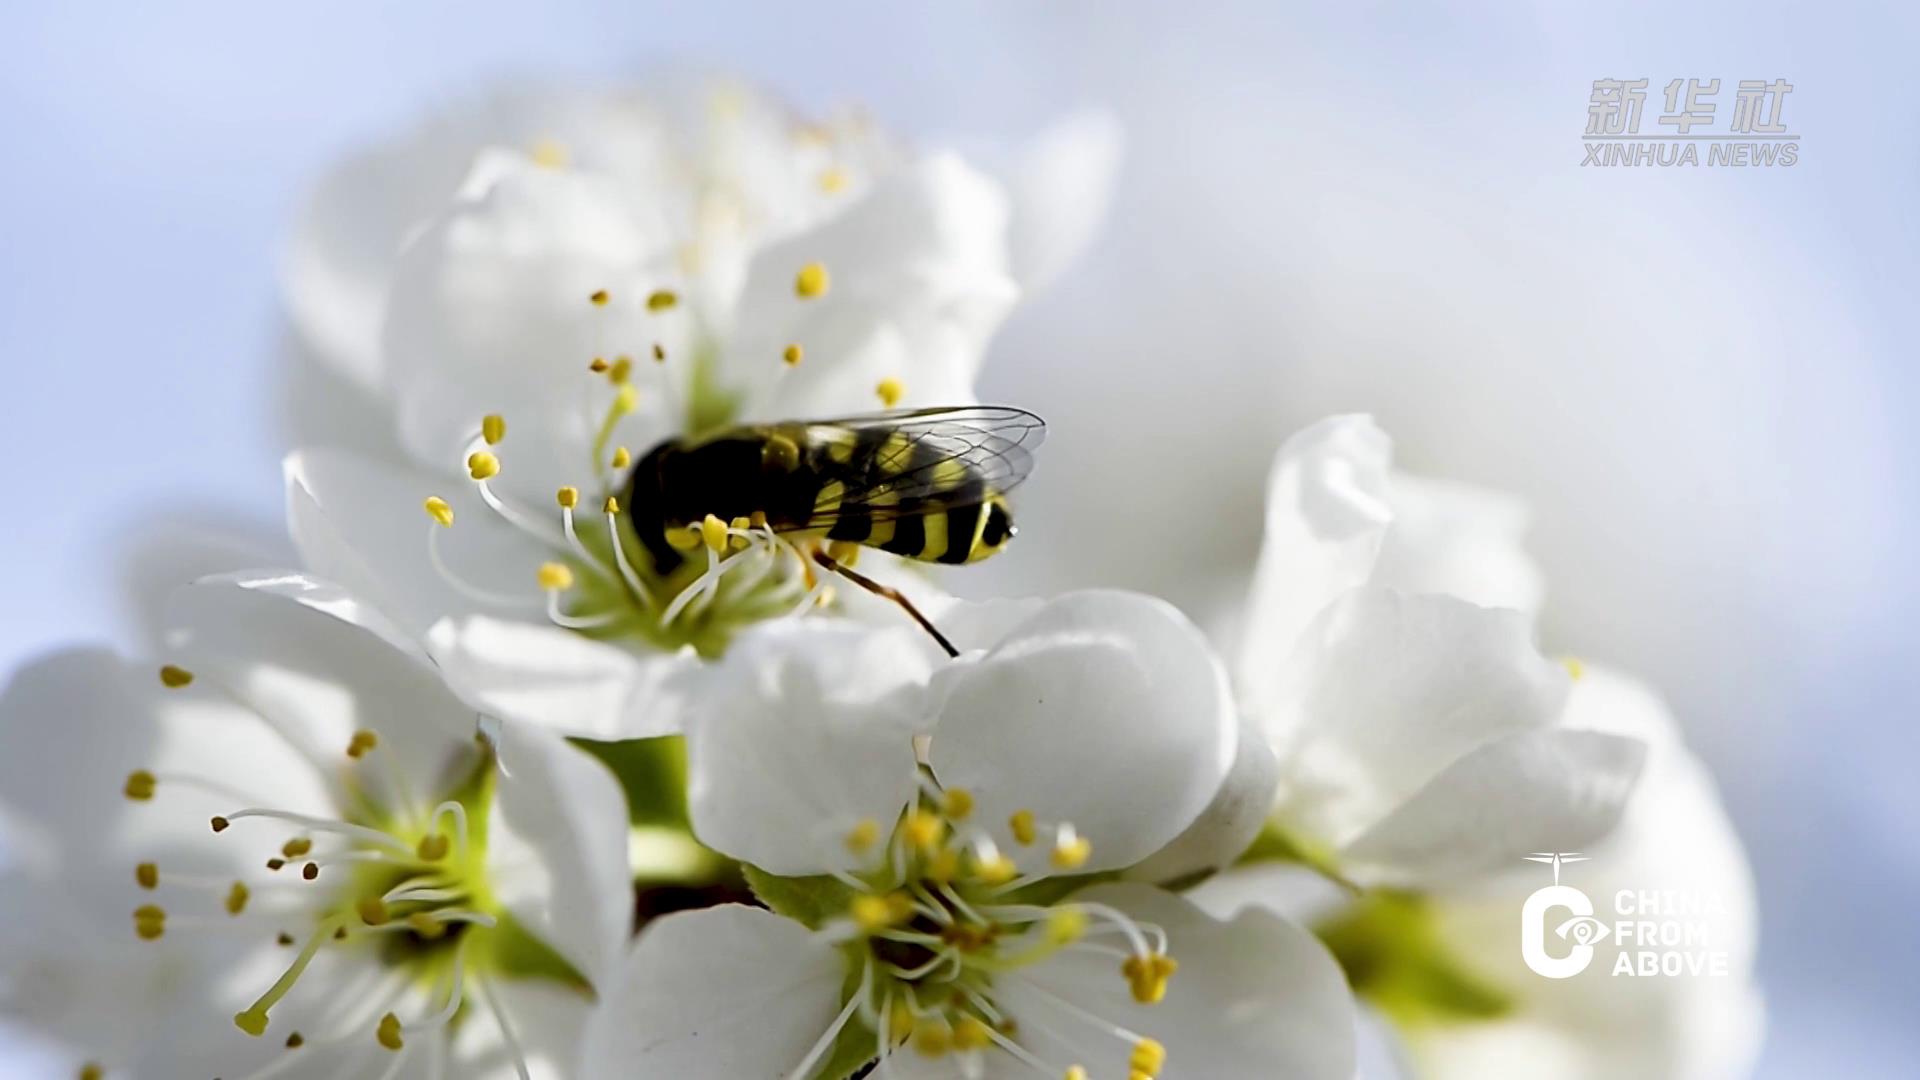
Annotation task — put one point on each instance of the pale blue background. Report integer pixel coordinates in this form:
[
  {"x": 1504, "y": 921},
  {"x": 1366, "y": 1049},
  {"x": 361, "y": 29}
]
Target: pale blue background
[{"x": 1704, "y": 379}]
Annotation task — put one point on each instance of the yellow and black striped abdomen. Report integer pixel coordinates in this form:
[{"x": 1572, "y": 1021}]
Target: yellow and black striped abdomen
[{"x": 907, "y": 496}]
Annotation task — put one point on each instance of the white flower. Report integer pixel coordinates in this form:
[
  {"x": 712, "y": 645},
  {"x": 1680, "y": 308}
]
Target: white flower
[
  {"x": 1503, "y": 1019},
  {"x": 372, "y": 870},
  {"x": 1420, "y": 735},
  {"x": 669, "y": 279},
  {"x": 950, "y": 936}
]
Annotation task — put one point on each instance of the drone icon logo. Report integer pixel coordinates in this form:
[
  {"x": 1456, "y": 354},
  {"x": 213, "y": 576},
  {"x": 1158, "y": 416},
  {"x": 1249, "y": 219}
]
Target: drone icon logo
[{"x": 1582, "y": 929}]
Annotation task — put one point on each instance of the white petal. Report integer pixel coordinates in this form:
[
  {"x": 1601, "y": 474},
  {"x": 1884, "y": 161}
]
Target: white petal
[
  {"x": 805, "y": 729},
  {"x": 1387, "y": 690},
  {"x": 918, "y": 282},
  {"x": 1460, "y": 540},
  {"x": 1062, "y": 187},
  {"x": 1256, "y": 996},
  {"x": 1327, "y": 513},
  {"x": 558, "y": 855},
  {"x": 556, "y": 678},
  {"x": 1106, "y": 710},
  {"x": 489, "y": 313},
  {"x": 78, "y": 722},
  {"x": 1674, "y": 837},
  {"x": 729, "y": 991},
  {"x": 1551, "y": 790},
  {"x": 1229, "y": 824},
  {"x": 360, "y": 523},
  {"x": 158, "y": 554},
  {"x": 320, "y": 666},
  {"x": 339, "y": 258}
]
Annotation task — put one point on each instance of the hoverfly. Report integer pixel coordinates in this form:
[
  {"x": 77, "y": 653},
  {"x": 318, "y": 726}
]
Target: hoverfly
[{"x": 926, "y": 484}]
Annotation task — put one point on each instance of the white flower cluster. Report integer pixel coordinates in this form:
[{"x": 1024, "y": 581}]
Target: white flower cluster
[{"x": 492, "y": 791}]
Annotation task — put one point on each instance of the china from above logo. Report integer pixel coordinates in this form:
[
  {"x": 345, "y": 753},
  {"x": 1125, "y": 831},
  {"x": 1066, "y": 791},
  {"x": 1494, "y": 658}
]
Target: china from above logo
[
  {"x": 1755, "y": 133},
  {"x": 1668, "y": 933}
]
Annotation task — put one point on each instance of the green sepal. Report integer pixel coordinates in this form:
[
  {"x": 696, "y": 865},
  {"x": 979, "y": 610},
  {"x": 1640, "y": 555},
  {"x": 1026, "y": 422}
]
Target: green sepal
[
  {"x": 652, "y": 773},
  {"x": 810, "y": 901},
  {"x": 514, "y": 952},
  {"x": 1390, "y": 945}
]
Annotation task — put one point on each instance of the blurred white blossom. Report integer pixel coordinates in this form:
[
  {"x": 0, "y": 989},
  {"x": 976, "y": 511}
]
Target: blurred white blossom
[
  {"x": 940, "y": 926},
  {"x": 372, "y": 872}
]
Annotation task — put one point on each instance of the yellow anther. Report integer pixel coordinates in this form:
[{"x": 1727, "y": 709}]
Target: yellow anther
[
  {"x": 148, "y": 875},
  {"x": 432, "y": 847},
  {"x": 1025, "y": 830},
  {"x": 438, "y": 510},
  {"x": 568, "y": 497},
  {"x": 140, "y": 784},
  {"x": 599, "y": 365},
  {"x": 944, "y": 866},
  {"x": 1574, "y": 667},
  {"x": 554, "y": 576},
  {"x": 994, "y": 869},
  {"x": 683, "y": 539},
  {"x": 621, "y": 371},
  {"x": 833, "y": 180},
  {"x": 923, "y": 830},
  {"x": 900, "y": 1022},
  {"x": 362, "y": 742},
  {"x": 971, "y": 1033},
  {"x": 611, "y": 506},
  {"x": 372, "y": 910},
  {"x": 793, "y": 354},
  {"x": 713, "y": 533},
  {"x": 622, "y": 457},
  {"x": 956, "y": 803},
  {"x": 844, "y": 552},
  {"x": 493, "y": 428},
  {"x": 890, "y": 390},
  {"x": 863, "y": 835},
  {"x": 1066, "y": 925},
  {"x": 296, "y": 847},
  {"x": 1147, "y": 976},
  {"x": 871, "y": 913},
  {"x": 661, "y": 300},
  {"x": 219, "y": 823},
  {"x": 388, "y": 1033},
  {"x": 757, "y": 519},
  {"x": 737, "y": 526},
  {"x": 1148, "y": 1057},
  {"x": 549, "y": 154},
  {"x": 427, "y": 926},
  {"x": 599, "y": 298},
  {"x": 237, "y": 898},
  {"x": 627, "y": 400},
  {"x": 1075, "y": 1072},
  {"x": 295, "y": 1041},
  {"x": 659, "y": 353},
  {"x": 932, "y": 1037},
  {"x": 811, "y": 281},
  {"x": 482, "y": 465},
  {"x": 253, "y": 1022},
  {"x": 149, "y": 921},
  {"x": 173, "y": 678},
  {"x": 1072, "y": 854}
]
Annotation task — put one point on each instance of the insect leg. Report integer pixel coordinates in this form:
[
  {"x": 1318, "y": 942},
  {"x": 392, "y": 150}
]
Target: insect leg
[{"x": 887, "y": 592}]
